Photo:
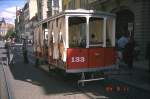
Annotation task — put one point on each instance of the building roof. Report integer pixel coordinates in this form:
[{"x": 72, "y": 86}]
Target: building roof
[{"x": 2, "y": 21}]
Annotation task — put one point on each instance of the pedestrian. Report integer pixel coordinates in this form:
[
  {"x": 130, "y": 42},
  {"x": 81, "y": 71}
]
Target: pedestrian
[
  {"x": 128, "y": 53},
  {"x": 148, "y": 55},
  {"x": 122, "y": 41},
  {"x": 7, "y": 47},
  {"x": 25, "y": 52}
]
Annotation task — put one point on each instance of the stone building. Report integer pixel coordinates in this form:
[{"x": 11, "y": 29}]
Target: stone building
[
  {"x": 42, "y": 9},
  {"x": 19, "y": 23},
  {"x": 4, "y": 27},
  {"x": 24, "y": 18}
]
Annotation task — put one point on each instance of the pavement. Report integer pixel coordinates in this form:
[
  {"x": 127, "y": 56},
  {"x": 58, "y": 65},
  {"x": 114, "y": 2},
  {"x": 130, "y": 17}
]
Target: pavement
[
  {"x": 2, "y": 44},
  {"x": 138, "y": 77}
]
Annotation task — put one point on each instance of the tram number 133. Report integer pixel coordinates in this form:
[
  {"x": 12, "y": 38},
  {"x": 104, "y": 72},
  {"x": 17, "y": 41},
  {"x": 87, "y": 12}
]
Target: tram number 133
[{"x": 77, "y": 59}]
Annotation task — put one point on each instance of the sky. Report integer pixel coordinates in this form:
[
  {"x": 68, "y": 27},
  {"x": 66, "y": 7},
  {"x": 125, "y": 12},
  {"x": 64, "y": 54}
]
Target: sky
[{"x": 8, "y": 9}]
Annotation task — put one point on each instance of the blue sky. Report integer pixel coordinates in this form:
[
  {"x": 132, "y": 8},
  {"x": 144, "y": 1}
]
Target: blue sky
[{"x": 8, "y": 9}]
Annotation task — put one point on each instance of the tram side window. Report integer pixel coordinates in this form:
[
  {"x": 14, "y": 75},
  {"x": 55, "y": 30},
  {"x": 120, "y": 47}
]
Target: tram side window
[
  {"x": 77, "y": 32},
  {"x": 109, "y": 32},
  {"x": 96, "y": 31}
]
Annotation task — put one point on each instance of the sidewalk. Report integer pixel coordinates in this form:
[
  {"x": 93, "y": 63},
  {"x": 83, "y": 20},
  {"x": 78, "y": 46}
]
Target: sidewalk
[{"x": 139, "y": 77}]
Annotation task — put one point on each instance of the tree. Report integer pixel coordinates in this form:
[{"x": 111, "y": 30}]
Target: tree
[{"x": 11, "y": 33}]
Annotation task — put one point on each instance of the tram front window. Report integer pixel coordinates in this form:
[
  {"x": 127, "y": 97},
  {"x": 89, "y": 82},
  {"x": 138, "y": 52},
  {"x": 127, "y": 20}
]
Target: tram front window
[
  {"x": 110, "y": 38},
  {"x": 77, "y": 32},
  {"x": 96, "y": 31}
]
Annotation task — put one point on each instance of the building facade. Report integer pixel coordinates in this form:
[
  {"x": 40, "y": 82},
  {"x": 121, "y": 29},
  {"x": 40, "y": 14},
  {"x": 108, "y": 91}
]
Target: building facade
[
  {"x": 54, "y": 7},
  {"x": 42, "y": 9},
  {"x": 24, "y": 18},
  {"x": 30, "y": 11},
  {"x": 4, "y": 27},
  {"x": 75, "y": 4},
  {"x": 19, "y": 23}
]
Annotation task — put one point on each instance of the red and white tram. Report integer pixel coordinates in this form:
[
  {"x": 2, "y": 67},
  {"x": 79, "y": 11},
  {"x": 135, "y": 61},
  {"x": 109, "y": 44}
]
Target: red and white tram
[{"x": 77, "y": 41}]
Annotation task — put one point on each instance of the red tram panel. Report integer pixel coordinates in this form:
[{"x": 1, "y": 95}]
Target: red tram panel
[
  {"x": 96, "y": 57},
  {"x": 109, "y": 56},
  {"x": 77, "y": 58}
]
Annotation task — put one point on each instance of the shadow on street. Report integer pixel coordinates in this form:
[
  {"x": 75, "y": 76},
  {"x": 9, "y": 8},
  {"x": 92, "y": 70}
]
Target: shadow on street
[{"x": 52, "y": 84}]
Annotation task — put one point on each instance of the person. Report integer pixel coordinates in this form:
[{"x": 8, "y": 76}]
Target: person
[
  {"x": 93, "y": 38},
  {"x": 148, "y": 55},
  {"x": 122, "y": 41},
  {"x": 7, "y": 47},
  {"x": 128, "y": 53},
  {"x": 24, "y": 48}
]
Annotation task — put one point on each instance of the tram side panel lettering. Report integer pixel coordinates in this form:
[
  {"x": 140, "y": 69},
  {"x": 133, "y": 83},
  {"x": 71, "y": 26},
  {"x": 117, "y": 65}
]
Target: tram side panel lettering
[{"x": 77, "y": 58}]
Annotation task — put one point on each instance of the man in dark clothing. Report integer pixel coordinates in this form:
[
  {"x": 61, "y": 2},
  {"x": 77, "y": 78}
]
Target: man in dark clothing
[
  {"x": 24, "y": 48},
  {"x": 128, "y": 54},
  {"x": 148, "y": 54},
  {"x": 7, "y": 46}
]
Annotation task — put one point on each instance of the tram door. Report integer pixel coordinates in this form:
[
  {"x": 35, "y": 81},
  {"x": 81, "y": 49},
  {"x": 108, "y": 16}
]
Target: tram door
[
  {"x": 96, "y": 42},
  {"x": 101, "y": 42}
]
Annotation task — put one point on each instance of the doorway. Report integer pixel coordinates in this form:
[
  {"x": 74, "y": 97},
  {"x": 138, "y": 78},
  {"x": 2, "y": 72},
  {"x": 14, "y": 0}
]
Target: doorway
[{"x": 124, "y": 23}]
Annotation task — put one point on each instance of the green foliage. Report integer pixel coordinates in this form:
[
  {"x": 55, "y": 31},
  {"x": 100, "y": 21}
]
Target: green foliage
[{"x": 11, "y": 33}]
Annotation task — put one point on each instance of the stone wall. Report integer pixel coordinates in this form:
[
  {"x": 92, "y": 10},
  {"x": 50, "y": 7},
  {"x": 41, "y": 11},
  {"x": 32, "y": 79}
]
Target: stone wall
[{"x": 142, "y": 25}]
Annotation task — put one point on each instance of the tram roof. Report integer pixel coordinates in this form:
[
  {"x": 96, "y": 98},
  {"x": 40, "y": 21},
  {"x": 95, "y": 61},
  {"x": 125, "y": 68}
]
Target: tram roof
[
  {"x": 77, "y": 12},
  {"x": 83, "y": 11}
]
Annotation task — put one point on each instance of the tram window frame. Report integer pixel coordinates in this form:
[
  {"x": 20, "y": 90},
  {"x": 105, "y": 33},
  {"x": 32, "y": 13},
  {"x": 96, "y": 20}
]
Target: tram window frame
[
  {"x": 109, "y": 32},
  {"x": 77, "y": 32},
  {"x": 96, "y": 39}
]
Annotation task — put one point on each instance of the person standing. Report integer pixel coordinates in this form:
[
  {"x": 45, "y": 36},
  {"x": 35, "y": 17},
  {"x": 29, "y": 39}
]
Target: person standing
[
  {"x": 122, "y": 41},
  {"x": 128, "y": 53},
  {"x": 25, "y": 52},
  {"x": 7, "y": 47},
  {"x": 148, "y": 55}
]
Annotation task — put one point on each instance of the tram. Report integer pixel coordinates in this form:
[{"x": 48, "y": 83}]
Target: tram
[{"x": 77, "y": 41}]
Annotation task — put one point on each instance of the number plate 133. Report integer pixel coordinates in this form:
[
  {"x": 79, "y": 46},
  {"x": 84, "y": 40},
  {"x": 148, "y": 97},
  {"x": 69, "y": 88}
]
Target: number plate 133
[{"x": 78, "y": 59}]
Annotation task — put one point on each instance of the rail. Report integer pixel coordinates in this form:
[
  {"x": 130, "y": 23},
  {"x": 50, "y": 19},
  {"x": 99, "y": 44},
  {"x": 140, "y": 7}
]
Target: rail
[{"x": 5, "y": 92}]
